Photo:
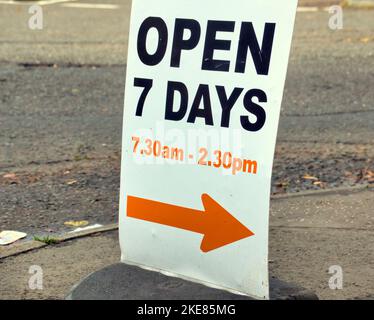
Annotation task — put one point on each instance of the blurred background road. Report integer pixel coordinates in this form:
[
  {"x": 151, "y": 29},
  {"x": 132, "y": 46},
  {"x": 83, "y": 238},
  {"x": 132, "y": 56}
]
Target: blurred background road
[{"x": 61, "y": 100}]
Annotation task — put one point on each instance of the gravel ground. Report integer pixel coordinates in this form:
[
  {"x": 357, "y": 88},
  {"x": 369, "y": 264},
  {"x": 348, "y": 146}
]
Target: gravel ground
[{"x": 40, "y": 199}]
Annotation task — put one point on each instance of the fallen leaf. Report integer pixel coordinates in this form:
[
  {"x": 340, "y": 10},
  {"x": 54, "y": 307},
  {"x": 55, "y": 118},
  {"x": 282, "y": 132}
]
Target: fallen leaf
[
  {"x": 71, "y": 182},
  {"x": 369, "y": 174},
  {"x": 309, "y": 177},
  {"x": 282, "y": 184},
  {"x": 72, "y": 223},
  {"x": 10, "y": 176},
  {"x": 319, "y": 183},
  {"x": 365, "y": 40}
]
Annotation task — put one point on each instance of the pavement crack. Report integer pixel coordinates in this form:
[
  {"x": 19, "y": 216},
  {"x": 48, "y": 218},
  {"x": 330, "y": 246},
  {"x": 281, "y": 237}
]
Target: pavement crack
[
  {"x": 298, "y": 115},
  {"x": 320, "y": 227},
  {"x": 65, "y": 65}
]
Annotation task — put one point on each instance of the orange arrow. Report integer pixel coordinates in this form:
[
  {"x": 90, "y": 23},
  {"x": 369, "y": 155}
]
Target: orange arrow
[{"x": 218, "y": 226}]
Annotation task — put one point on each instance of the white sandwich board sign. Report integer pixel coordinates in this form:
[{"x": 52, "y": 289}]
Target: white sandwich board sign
[{"x": 203, "y": 94}]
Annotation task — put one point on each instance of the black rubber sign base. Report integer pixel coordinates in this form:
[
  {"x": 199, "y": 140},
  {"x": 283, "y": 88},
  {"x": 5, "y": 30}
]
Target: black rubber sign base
[{"x": 124, "y": 282}]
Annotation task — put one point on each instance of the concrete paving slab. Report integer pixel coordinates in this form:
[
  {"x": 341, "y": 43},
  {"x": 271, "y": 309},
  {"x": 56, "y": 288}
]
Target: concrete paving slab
[{"x": 299, "y": 253}]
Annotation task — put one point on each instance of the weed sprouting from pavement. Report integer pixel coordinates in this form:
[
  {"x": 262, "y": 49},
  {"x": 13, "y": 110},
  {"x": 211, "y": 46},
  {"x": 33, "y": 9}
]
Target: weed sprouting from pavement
[{"x": 47, "y": 240}]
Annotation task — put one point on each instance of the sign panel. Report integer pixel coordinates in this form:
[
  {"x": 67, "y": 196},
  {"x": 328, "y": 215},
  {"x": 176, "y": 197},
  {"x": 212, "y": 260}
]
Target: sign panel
[{"x": 202, "y": 101}]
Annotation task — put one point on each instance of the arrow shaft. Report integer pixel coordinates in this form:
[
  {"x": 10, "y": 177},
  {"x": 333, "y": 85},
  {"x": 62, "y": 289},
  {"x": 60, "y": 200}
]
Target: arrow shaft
[{"x": 166, "y": 214}]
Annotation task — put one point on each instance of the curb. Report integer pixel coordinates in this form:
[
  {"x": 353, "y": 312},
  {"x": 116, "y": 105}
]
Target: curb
[
  {"x": 355, "y": 4},
  {"x": 26, "y": 246},
  {"x": 315, "y": 5},
  {"x": 30, "y": 245},
  {"x": 322, "y": 192},
  {"x": 21, "y": 247}
]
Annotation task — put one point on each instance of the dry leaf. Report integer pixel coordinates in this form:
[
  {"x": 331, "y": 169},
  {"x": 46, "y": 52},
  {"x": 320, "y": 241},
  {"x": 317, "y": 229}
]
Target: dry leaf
[
  {"x": 369, "y": 174},
  {"x": 71, "y": 182},
  {"x": 282, "y": 184},
  {"x": 10, "y": 176},
  {"x": 365, "y": 40},
  {"x": 309, "y": 177},
  {"x": 72, "y": 223},
  {"x": 319, "y": 183}
]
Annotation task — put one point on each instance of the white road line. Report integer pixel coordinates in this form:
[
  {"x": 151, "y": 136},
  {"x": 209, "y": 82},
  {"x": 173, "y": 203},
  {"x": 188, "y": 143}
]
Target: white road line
[{"x": 90, "y": 6}]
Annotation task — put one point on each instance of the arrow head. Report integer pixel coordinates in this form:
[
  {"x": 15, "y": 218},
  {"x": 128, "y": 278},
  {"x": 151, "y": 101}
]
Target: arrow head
[{"x": 221, "y": 228}]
